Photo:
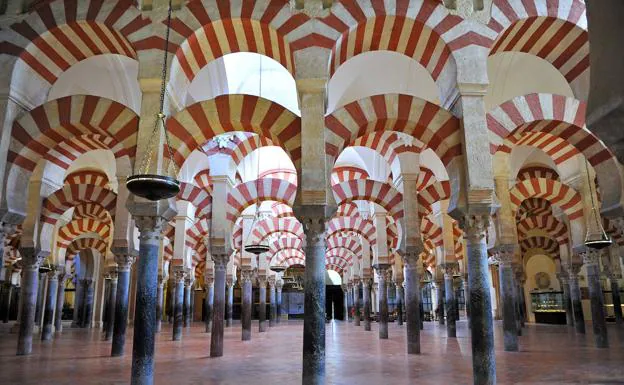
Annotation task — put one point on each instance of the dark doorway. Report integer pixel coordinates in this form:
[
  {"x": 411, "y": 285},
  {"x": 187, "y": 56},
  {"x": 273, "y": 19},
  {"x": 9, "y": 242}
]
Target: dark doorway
[{"x": 334, "y": 302}]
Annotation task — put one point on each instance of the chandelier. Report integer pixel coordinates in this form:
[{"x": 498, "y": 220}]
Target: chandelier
[{"x": 595, "y": 238}]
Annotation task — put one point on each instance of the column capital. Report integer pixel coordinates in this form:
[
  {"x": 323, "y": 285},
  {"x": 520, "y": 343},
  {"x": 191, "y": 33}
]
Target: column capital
[
  {"x": 53, "y": 274},
  {"x": 279, "y": 284},
  {"x": 563, "y": 277},
  {"x": 591, "y": 257},
  {"x": 246, "y": 275},
  {"x": 32, "y": 258},
  {"x": 112, "y": 272},
  {"x": 229, "y": 282},
  {"x": 272, "y": 281},
  {"x": 220, "y": 260},
  {"x": 574, "y": 269},
  {"x": 150, "y": 227},
  {"x": 345, "y": 288},
  {"x": 504, "y": 254},
  {"x": 474, "y": 226},
  {"x": 450, "y": 268},
  {"x": 179, "y": 273},
  {"x": 411, "y": 255},
  {"x": 124, "y": 261},
  {"x": 208, "y": 280},
  {"x": 262, "y": 280}
]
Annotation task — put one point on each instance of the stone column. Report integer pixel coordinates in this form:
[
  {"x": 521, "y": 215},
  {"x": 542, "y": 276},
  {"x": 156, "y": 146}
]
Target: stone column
[
  {"x": 345, "y": 292},
  {"x": 450, "y": 269},
  {"x": 278, "y": 300},
  {"x": 159, "y": 302},
  {"x": 366, "y": 299},
  {"x": 520, "y": 278},
  {"x": 564, "y": 282},
  {"x": 575, "y": 297},
  {"x": 87, "y": 313},
  {"x": 106, "y": 297},
  {"x": 78, "y": 299},
  {"x": 615, "y": 293},
  {"x": 220, "y": 258},
  {"x": 50, "y": 305},
  {"x": 412, "y": 298},
  {"x": 229, "y": 305},
  {"x": 272, "y": 307},
  {"x": 482, "y": 327},
  {"x": 60, "y": 299},
  {"x": 170, "y": 297},
  {"x": 6, "y": 300},
  {"x": 389, "y": 289},
  {"x": 112, "y": 300},
  {"x": 356, "y": 301},
  {"x": 124, "y": 262},
  {"x": 399, "y": 302},
  {"x": 381, "y": 270},
  {"x": 262, "y": 281},
  {"x": 31, "y": 260},
  {"x": 149, "y": 219},
  {"x": 440, "y": 297},
  {"x": 506, "y": 277},
  {"x": 41, "y": 294},
  {"x": 187, "y": 301},
  {"x": 208, "y": 302},
  {"x": 350, "y": 302},
  {"x": 178, "y": 314},
  {"x": 246, "y": 276},
  {"x": 467, "y": 296},
  {"x": 599, "y": 323}
]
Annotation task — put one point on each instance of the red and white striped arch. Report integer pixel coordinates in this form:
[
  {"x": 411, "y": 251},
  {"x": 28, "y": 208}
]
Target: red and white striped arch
[
  {"x": 197, "y": 232},
  {"x": 281, "y": 210},
  {"x": 394, "y": 232},
  {"x": 270, "y": 226},
  {"x": 556, "y": 115},
  {"x": 85, "y": 243},
  {"x": 336, "y": 263},
  {"x": 458, "y": 241},
  {"x": 73, "y": 195},
  {"x": 337, "y": 268},
  {"x": 343, "y": 253},
  {"x": 346, "y": 226},
  {"x": 425, "y": 178},
  {"x": 200, "y": 122},
  {"x": 388, "y": 144},
  {"x": 349, "y": 243},
  {"x": 87, "y": 176},
  {"x": 64, "y": 153},
  {"x": 547, "y": 223},
  {"x": 534, "y": 207},
  {"x": 59, "y": 34},
  {"x": 347, "y": 209},
  {"x": 204, "y": 181},
  {"x": 345, "y": 173},
  {"x": 45, "y": 127},
  {"x": 373, "y": 191},
  {"x": 92, "y": 210},
  {"x": 431, "y": 194},
  {"x": 537, "y": 172},
  {"x": 288, "y": 175},
  {"x": 281, "y": 256},
  {"x": 252, "y": 192},
  {"x": 198, "y": 197},
  {"x": 434, "y": 126},
  {"x": 507, "y": 12},
  {"x": 78, "y": 227},
  {"x": 168, "y": 252},
  {"x": 548, "y": 245},
  {"x": 568, "y": 199},
  {"x": 284, "y": 243},
  {"x": 431, "y": 232},
  {"x": 245, "y": 147}
]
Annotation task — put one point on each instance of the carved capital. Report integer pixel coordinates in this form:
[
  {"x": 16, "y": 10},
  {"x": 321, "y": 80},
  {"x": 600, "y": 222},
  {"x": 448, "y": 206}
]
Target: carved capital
[
  {"x": 112, "y": 272},
  {"x": 209, "y": 280},
  {"x": 246, "y": 275},
  {"x": 450, "y": 268},
  {"x": 262, "y": 281},
  {"x": 574, "y": 269},
  {"x": 411, "y": 256},
  {"x": 279, "y": 284},
  {"x": 591, "y": 257},
  {"x": 179, "y": 274},
  {"x": 124, "y": 261},
  {"x": 31, "y": 258},
  {"x": 150, "y": 227},
  {"x": 220, "y": 260},
  {"x": 475, "y": 227},
  {"x": 563, "y": 277},
  {"x": 504, "y": 254},
  {"x": 271, "y": 280}
]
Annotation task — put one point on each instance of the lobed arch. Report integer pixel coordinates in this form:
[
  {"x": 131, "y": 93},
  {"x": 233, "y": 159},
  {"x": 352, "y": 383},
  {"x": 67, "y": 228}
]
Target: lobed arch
[
  {"x": 253, "y": 192},
  {"x": 547, "y": 223},
  {"x": 554, "y": 191},
  {"x": 380, "y": 193}
]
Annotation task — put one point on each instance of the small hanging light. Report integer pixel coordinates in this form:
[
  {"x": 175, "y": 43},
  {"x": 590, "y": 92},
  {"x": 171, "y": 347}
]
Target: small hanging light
[
  {"x": 278, "y": 268},
  {"x": 261, "y": 247},
  {"x": 154, "y": 186},
  {"x": 595, "y": 238}
]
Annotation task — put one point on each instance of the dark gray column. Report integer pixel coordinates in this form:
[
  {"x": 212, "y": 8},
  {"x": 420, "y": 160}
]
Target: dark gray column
[
  {"x": 187, "y": 301},
  {"x": 520, "y": 279},
  {"x": 106, "y": 302},
  {"x": 564, "y": 282},
  {"x": 160, "y": 297},
  {"x": 144, "y": 331},
  {"x": 467, "y": 294},
  {"x": 8, "y": 295},
  {"x": 60, "y": 300},
  {"x": 262, "y": 281},
  {"x": 78, "y": 300},
  {"x": 450, "y": 269},
  {"x": 112, "y": 299},
  {"x": 246, "y": 276},
  {"x": 591, "y": 259},
  {"x": 389, "y": 289},
  {"x": 615, "y": 292},
  {"x": 313, "y": 220},
  {"x": 508, "y": 299},
  {"x": 124, "y": 262},
  {"x": 366, "y": 302},
  {"x": 50, "y": 305},
  {"x": 89, "y": 289},
  {"x": 412, "y": 298},
  {"x": 220, "y": 258},
  {"x": 345, "y": 292},
  {"x": 170, "y": 297},
  {"x": 381, "y": 270},
  {"x": 208, "y": 302},
  {"x": 399, "y": 301},
  {"x": 278, "y": 300},
  {"x": 229, "y": 304},
  {"x": 350, "y": 301},
  {"x": 356, "y": 301},
  {"x": 575, "y": 297},
  {"x": 178, "y": 306},
  {"x": 41, "y": 294},
  {"x": 272, "y": 306},
  {"x": 482, "y": 328},
  {"x": 440, "y": 300},
  {"x": 31, "y": 259}
]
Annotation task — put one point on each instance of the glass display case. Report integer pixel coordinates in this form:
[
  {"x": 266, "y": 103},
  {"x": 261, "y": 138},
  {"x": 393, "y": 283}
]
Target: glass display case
[{"x": 548, "y": 307}]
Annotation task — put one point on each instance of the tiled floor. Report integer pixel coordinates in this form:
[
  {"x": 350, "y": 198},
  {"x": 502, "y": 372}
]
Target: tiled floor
[{"x": 549, "y": 355}]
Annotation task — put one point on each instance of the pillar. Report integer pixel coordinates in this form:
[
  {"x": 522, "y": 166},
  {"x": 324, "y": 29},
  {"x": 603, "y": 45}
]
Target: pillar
[
  {"x": 262, "y": 281},
  {"x": 124, "y": 263},
  {"x": 389, "y": 289},
  {"x": 440, "y": 300},
  {"x": 78, "y": 300},
  {"x": 366, "y": 299},
  {"x": 60, "y": 299},
  {"x": 599, "y": 323},
  {"x": 229, "y": 305},
  {"x": 450, "y": 269},
  {"x": 112, "y": 299},
  {"x": 246, "y": 275},
  {"x": 187, "y": 301},
  {"x": 272, "y": 307},
  {"x": 87, "y": 313},
  {"x": 350, "y": 302},
  {"x": 209, "y": 302},
  {"x": 412, "y": 298},
  {"x": 508, "y": 299},
  {"x": 6, "y": 300},
  {"x": 575, "y": 297},
  {"x": 50, "y": 305},
  {"x": 615, "y": 292},
  {"x": 220, "y": 258},
  {"x": 564, "y": 282},
  {"x": 31, "y": 260},
  {"x": 482, "y": 327},
  {"x": 178, "y": 315},
  {"x": 278, "y": 299},
  {"x": 345, "y": 293},
  {"x": 356, "y": 301},
  {"x": 150, "y": 236},
  {"x": 40, "y": 297},
  {"x": 170, "y": 297},
  {"x": 399, "y": 302},
  {"x": 467, "y": 295},
  {"x": 159, "y": 302},
  {"x": 381, "y": 270},
  {"x": 520, "y": 279}
]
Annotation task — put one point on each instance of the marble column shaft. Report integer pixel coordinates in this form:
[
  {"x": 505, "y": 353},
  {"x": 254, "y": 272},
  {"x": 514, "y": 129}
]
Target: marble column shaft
[
  {"x": 440, "y": 297},
  {"x": 124, "y": 262},
  {"x": 112, "y": 300},
  {"x": 60, "y": 302},
  {"x": 262, "y": 326},
  {"x": 220, "y": 258},
  {"x": 508, "y": 299},
  {"x": 229, "y": 305},
  {"x": 345, "y": 295},
  {"x": 564, "y": 282},
  {"x": 50, "y": 306},
  {"x": 41, "y": 294},
  {"x": 246, "y": 276},
  {"x": 599, "y": 322},
  {"x": 399, "y": 302},
  {"x": 366, "y": 302},
  {"x": 383, "y": 300},
  {"x": 160, "y": 297},
  {"x": 412, "y": 302},
  {"x": 208, "y": 303},
  {"x": 8, "y": 295},
  {"x": 78, "y": 299},
  {"x": 178, "y": 307},
  {"x": 28, "y": 298},
  {"x": 617, "y": 303},
  {"x": 356, "y": 302},
  {"x": 575, "y": 297},
  {"x": 349, "y": 293},
  {"x": 278, "y": 301},
  {"x": 89, "y": 296},
  {"x": 170, "y": 298},
  {"x": 272, "y": 307},
  {"x": 187, "y": 302},
  {"x": 451, "y": 308}
]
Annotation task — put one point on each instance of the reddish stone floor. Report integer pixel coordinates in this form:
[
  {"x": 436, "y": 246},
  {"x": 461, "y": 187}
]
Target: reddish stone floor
[{"x": 549, "y": 355}]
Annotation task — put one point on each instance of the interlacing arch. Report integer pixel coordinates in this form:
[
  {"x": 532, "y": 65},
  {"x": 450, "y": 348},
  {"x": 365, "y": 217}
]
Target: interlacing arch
[
  {"x": 350, "y": 243},
  {"x": 85, "y": 243},
  {"x": 435, "y": 192},
  {"x": 269, "y": 226},
  {"x": 554, "y": 191},
  {"x": 198, "y": 197},
  {"x": 202, "y": 121},
  {"x": 432, "y": 125},
  {"x": 547, "y": 223},
  {"x": 341, "y": 226},
  {"x": 73, "y": 195},
  {"x": 76, "y": 228},
  {"x": 384, "y": 194},
  {"x": 253, "y": 192}
]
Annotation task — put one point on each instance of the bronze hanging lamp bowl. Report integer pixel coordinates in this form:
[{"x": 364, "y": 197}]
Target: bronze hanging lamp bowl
[
  {"x": 596, "y": 238},
  {"x": 278, "y": 268},
  {"x": 144, "y": 183},
  {"x": 257, "y": 249}
]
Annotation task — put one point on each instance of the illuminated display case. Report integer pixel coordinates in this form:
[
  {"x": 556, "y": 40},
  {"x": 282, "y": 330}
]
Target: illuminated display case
[{"x": 548, "y": 307}]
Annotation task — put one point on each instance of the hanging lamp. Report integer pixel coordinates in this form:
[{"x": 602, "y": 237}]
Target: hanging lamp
[
  {"x": 261, "y": 247},
  {"x": 155, "y": 187},
  {"x": 595, "y": 239},
  {"x": 278, "y": 268}
]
